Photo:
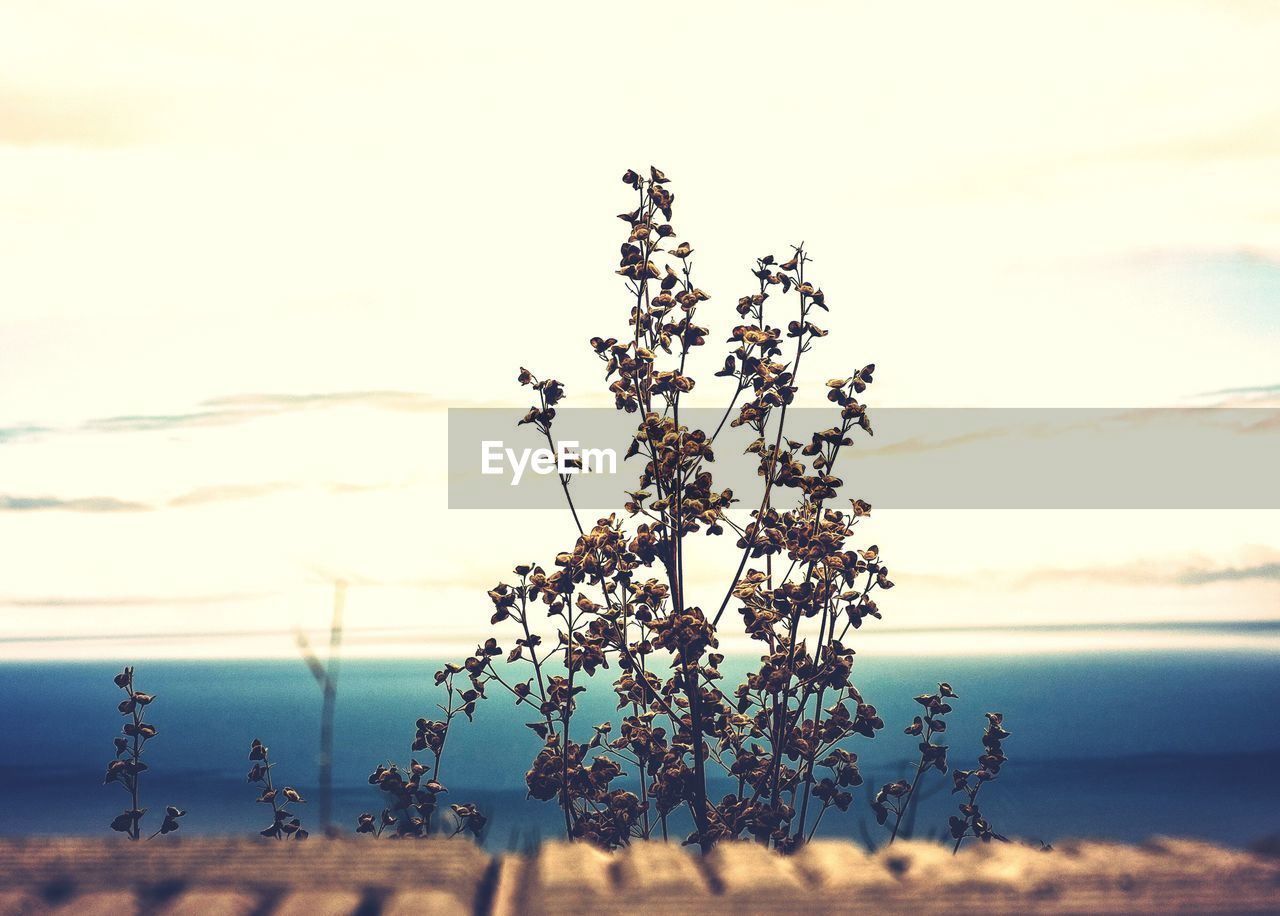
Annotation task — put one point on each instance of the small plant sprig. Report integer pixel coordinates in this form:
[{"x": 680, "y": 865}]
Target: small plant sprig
[
  {"x": 896, "y": 797},
  {"x": 971, "y": 782},
  {"x": 284, "y": 823},
  {"x": 412, "y": 798},
  {"x": 127, "y": 766}
]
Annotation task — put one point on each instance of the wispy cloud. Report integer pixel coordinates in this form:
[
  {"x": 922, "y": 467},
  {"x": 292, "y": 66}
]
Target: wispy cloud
[
  {"x": 1251, "y": 396},
  {"x": 13, "y": 433},
  {"x": 918, "y": 444},
  {"x": 106, "y": 601},
  {"x": 136, "y": 423},
  {"x": 412, "y": 401},
  {"x": 242, "y": 408},
  {"x": 197, "y": 497},
  {"x": 1177, "y": 572},
  {"x": 1253, "y": 137},
  {"x": 83, "y": 504},
  {"x": 1267, "y": 572},
  {"x": 1147, "y": 573},
  {"x": 85, "y": 118},
  {"x": 1253, "y": 389},
  {"x": 230, "y": 492}
]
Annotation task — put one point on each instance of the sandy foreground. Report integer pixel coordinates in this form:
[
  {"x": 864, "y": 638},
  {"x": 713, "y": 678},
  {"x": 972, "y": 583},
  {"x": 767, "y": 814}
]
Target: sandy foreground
[{"x": 240, "y": 877}]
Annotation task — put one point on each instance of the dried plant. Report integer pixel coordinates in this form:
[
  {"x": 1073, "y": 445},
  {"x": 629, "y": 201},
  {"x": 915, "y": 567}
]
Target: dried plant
[
  {"x": 619, "y": 596},
  {"x": 412, "y": 797},
  {"x": 127, "y": 766},
  {"x": 284, "y": 823},
  {"x": 896, "y": 797},
  {"x": 971, "y": 782}
]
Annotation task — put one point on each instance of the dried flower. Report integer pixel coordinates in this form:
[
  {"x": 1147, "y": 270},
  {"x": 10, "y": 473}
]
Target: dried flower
[
  {"x": 971, "y": 822},
  {"x": 284, "y": 824},
  {"x": 127, "y": 765},
  {"x": 412, "y": 796},
  {"x": 616, "y": 599}
]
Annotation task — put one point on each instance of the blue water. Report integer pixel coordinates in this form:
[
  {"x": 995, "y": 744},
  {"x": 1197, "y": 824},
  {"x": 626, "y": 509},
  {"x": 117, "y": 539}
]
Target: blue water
[{"x": 1110, "y": 745}]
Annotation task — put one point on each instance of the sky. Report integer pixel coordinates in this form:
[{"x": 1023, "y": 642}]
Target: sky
[{"x": 249, "y": 256}]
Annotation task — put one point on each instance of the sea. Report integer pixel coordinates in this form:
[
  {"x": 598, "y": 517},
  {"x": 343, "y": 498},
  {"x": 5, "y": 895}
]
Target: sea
[{"x": 1120, "y": 744}]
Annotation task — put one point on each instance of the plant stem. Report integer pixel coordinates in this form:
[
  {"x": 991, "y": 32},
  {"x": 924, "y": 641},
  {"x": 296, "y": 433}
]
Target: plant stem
[
  {"x": 911, "y": 793},
  {"x": 135, "y": 831},
  {"x": 566, "y": 716},
  {"x": 973, "y": 796}
]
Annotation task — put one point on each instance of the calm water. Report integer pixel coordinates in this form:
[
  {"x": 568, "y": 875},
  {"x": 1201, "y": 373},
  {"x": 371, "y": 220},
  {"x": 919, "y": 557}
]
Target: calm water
[{"x": 1107, "y": 745}]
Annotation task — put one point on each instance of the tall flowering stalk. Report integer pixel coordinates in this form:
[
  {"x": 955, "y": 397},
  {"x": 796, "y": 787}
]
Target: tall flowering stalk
[
  {"x": 619, "y": 595},
  {"x": 127, "y": 766}
]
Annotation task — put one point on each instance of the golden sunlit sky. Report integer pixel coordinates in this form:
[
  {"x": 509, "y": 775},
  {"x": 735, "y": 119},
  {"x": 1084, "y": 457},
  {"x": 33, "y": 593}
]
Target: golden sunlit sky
[{"x": 251, "y": 253}]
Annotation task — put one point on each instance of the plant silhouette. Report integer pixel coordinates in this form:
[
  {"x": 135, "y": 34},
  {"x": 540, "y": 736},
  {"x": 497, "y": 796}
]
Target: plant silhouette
[
  {"x": 618, "y": 596},
  {"x": 127, "y": 766}
]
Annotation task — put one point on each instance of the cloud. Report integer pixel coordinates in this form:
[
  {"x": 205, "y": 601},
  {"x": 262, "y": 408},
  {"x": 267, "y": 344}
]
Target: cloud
[
  {"x": 1185, "y": 572},
  {"x": 229, "y": 492},
  {"x": 1252, "y": 389},
  {"x": 196, "y": 497},
  {"x": 1254, "y": 137},
  {"x": 87, "y": 118},
  {"x": 1251, "y": 396},
  {"x": 918, "y": 444},
  {"x": 412, "y": 401},
  {"x": 1149, "y": 573},
  {"x": 1131, "y": 574},
  {"x": 242, "y": 408},
  {"x": 12, "y": 433},
  {"x": 85, "y": 504},
  {"x": 104, "y": 601},
  {"x": 137, "y": 423},
  {"x": 1267, "y": 572}
]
